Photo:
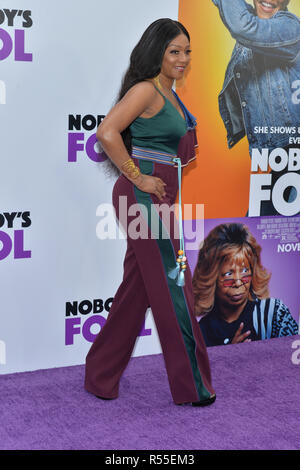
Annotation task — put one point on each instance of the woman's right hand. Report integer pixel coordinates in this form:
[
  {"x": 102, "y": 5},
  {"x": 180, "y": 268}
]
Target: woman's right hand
[{"x": 151, "y": 184}]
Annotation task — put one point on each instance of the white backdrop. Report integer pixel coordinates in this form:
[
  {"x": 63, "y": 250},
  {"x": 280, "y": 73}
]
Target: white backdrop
[{"x": 69, "y": 61}]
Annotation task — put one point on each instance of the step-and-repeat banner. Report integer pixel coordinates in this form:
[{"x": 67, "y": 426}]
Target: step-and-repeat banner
[{"x": 61, "y": 64}]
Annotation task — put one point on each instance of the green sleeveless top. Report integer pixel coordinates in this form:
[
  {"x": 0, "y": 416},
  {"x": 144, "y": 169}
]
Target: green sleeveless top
[{"x": 162, "y": 131}]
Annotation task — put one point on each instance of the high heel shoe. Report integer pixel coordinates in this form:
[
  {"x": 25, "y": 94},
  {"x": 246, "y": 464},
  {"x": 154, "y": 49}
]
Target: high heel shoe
[
  {"x": 103, "y": 398},
  {"x": 206, "y": 402}
]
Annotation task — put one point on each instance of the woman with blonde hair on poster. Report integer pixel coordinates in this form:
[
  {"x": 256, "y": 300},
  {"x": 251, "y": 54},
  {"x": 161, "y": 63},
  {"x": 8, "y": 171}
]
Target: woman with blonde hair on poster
[{"x": 231, "y": 290}]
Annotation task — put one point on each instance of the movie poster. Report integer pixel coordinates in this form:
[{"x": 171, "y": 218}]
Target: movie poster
[{"x": 244, "y": 88}]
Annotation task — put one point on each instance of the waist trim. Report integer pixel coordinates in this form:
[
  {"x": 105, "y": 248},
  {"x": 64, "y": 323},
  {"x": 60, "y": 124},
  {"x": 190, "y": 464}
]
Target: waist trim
[{"x": 153, "y": 155}]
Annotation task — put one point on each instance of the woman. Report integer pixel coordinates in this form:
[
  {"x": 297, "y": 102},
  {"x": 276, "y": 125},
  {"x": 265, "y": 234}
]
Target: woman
[
  {"x": 231, "y": 288},
  {"x": 264, "y": 65},
  {"x": 143, "y": 135}
]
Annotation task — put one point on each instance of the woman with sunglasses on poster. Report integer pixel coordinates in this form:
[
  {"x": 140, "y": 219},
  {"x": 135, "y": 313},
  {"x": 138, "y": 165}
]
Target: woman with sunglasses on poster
[
  {"x": 149, "y": 135},
  {"x": 232, "y": 290}
]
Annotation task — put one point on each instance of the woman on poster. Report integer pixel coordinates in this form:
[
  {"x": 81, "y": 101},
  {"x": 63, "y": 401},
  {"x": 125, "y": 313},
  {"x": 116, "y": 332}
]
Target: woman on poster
[
  {"x": 149, "y": 135},
  {"x": 260, "y": 80},
  {"x": 232, "y": 290}
]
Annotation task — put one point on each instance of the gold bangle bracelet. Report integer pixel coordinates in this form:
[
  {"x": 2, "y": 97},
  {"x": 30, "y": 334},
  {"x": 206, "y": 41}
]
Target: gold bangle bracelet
[{"x": 130, "y": 170}]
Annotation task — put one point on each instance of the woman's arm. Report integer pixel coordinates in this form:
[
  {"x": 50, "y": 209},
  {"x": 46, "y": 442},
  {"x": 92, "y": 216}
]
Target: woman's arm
[
  {"x": 278, "y": 36},
  {"x": 136, "y": 102}
]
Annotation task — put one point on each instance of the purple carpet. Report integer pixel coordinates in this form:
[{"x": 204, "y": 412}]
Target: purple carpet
[{"x": 257, "y": 406}]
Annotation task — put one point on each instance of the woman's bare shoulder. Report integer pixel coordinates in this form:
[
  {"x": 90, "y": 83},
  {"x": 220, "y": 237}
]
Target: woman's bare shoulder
[{"x": 144, "y": 88}]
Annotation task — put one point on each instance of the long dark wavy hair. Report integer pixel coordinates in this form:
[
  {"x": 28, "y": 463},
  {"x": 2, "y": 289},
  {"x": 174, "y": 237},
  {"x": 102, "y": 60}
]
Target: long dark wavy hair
[{"x": 146, "y": 60}]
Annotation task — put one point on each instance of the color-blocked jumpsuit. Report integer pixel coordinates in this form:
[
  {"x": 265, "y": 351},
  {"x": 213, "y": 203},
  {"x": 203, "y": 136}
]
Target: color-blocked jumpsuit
[{"x": 145, "y": 279}]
